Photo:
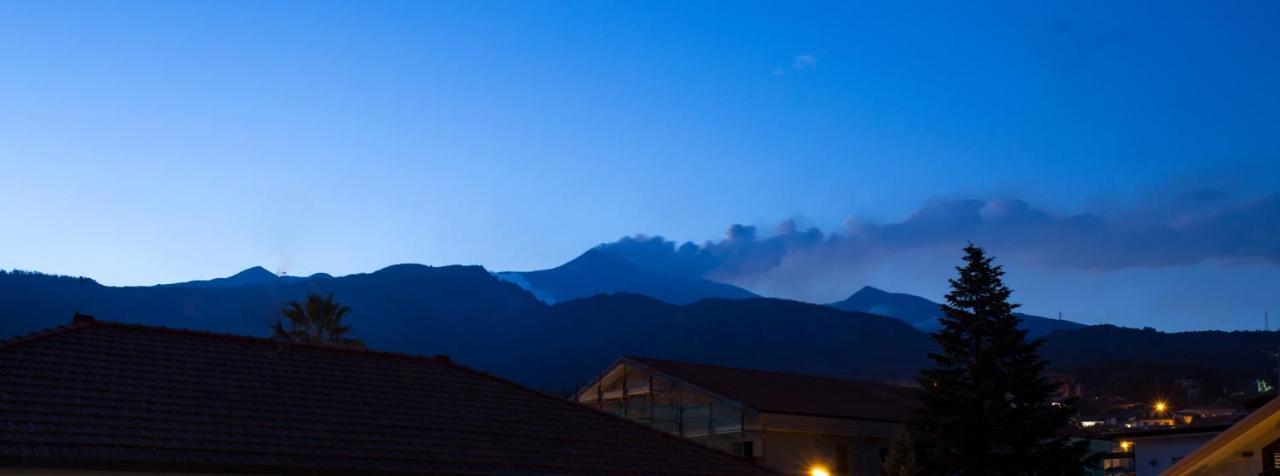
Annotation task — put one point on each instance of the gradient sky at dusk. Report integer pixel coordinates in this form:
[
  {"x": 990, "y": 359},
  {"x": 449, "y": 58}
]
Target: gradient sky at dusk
[{"x": 156, "y": 142}]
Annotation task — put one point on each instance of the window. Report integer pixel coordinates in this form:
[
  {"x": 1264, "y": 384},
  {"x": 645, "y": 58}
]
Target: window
[{"x": 1270, "y": 457}]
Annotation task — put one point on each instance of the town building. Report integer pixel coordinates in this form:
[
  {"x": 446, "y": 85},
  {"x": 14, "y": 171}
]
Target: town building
[
  {"x": 107, "y": 398},
  {"x": 1205, "y": 413},
  {"x": 1249, "y": 447},
  {"x": 1065, "y": 387},
  {"x": 797, "y": 424},
  {"x": 1155, "y": 450}
]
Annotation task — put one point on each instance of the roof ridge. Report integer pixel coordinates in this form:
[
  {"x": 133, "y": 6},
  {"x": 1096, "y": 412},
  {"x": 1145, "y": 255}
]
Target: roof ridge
[
  {"x": 773, "y": 372},
  {"x": 84, "y": 322},
  {"x": 42, "y": 334}
]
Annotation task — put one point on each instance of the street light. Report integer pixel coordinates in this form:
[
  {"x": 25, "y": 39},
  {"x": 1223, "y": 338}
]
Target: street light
[
  {"x": 819, "y": 471},
  {"x": 1160, "y": 407}
]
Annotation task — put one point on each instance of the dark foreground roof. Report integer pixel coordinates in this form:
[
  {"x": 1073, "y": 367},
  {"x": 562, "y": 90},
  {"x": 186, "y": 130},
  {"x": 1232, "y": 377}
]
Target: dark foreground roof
[
  {"x": 776, "y": 392},
  {"x": 109, "y": 395}
]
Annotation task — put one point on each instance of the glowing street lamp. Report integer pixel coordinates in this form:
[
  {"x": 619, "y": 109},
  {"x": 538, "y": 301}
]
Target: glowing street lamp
[
  {"x": 819, "y": 471},
  {"x": 1125, "y": 445},
  {"x": 1160, "y": 407}
]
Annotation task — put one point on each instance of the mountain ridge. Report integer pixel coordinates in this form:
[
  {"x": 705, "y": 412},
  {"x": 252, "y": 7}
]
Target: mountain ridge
[
  {"x": 468, "y": 313},
  {"x": 250, "y": 276},
  {"x": 598, "y": 271},
  {"x": 923, "y": 314}
]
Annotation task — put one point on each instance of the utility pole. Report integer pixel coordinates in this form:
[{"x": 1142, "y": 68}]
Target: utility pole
[
  {"x": 1275, "y": 354},
  {"x": 1266, "y": 320}
]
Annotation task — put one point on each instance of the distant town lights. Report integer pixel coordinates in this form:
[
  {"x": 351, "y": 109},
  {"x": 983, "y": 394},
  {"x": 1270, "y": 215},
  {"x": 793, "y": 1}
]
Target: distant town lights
[
  {"x": 819, "y": 471},
  {"x": 1160, "y": 407}
]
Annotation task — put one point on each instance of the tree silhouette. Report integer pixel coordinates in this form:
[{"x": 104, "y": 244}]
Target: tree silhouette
[
  {"x": 986, "y": 407},
  {"x": 318, "y": 320},
  {"x": 901, "y": 460}
]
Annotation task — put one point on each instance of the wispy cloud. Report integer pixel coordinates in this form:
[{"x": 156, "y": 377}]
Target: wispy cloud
[
  {"x": 798, "y": 63},
  {"x": 804, "y": 61}
]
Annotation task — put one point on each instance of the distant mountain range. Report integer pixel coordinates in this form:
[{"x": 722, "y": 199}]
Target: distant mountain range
[
  {"x": 923, "y": 314},
  {"x": 254, "y": 275},
  {"x": 602, "y": 272},
  {"x": 466, "y": 312},
  {"x": 599, "y": 271},
  {"x": 485, "y": 320}
]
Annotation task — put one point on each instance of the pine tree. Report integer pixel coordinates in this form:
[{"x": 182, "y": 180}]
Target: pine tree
[
  {"x": 901, "y": 460},
  {"x": 985, "y": 407}
]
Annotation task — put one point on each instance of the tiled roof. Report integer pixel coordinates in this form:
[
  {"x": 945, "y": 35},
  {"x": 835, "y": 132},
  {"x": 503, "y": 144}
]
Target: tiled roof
[
  {"x": 777, "y": 392},
  {"x": 110, "y": 395}
]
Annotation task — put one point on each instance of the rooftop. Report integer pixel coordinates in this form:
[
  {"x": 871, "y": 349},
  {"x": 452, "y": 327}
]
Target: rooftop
[
  {"x": 795, "y": 394},
  {"x": 1211, "y": 427},
  {"x": 109, "y": 395}
]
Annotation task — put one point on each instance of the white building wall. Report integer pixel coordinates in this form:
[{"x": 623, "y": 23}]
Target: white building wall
[{"x": 1152, "y": 455}]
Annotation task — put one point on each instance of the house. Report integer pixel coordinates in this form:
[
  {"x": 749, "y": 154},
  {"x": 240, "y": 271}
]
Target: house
[
  {"x": 797, "y": 424},
  {"x": 1117, "y": 460},
  {"x": 107, "y": 398},
  {"x": 1205, "y": 413},
  {"x": 1065, "y": 386},
  {"x": 1115, "y": 403},
  {"x": 1249, "y": 447},
  {"x": 1151, "y": 421},
  {"x": 1114, "y": 461},
  {"x": 1156, "y": 450}
]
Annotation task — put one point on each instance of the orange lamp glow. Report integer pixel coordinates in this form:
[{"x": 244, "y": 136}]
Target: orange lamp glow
[
  {"x": 819, "y": 471},
  {"x": 1160, "y": 407},
  {"x": 1125, "y": 445}
]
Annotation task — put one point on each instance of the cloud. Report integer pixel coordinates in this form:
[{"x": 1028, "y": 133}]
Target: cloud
[
  {"x": 799, "y": 63},
  {"x": 1192, "y": 228},
  {"x": 804, "y": 61}
]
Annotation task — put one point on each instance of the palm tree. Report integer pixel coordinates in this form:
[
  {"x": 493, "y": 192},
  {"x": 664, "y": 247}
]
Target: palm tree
[{"x": 318, "y": 320}]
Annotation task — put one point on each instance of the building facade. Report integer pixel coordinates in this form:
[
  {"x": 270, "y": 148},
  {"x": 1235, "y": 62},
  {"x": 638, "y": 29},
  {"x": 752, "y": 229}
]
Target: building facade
[
  {"x": 796, "y": 424},
  {"x": 1153, "y": 451},
  {"x": 1249, "y": 447}
]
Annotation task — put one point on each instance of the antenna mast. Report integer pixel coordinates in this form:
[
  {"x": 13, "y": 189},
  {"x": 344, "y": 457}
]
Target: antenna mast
[{"x": 1266, "y": 323}]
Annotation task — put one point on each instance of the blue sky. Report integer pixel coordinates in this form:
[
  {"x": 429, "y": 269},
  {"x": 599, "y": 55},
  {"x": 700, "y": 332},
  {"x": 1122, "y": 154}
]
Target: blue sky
[{"x": 157, "y": 142}]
